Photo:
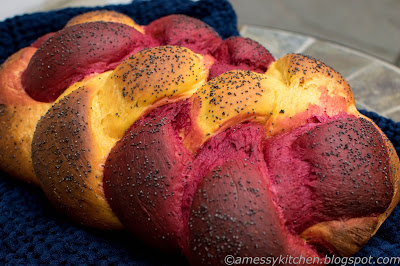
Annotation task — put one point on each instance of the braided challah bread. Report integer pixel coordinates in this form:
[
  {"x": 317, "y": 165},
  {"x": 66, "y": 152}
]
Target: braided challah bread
[{"x": 193, "y": 143}]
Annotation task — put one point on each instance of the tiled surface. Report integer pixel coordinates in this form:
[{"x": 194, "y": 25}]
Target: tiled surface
[
  {"x": 372, "y": 26},
  {"x": 369, "y": 25},
  {"x": 278, "y": 42},
  {"x": 342, "y": 60},
  {"x": 377, "y": 86},
  {"x": 375, "y": 83},
  {"x": 395, "y": 115}
]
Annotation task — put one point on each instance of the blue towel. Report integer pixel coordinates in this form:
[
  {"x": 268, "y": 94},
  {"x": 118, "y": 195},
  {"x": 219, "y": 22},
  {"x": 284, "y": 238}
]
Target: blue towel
[{"x": 33, "y": 232}]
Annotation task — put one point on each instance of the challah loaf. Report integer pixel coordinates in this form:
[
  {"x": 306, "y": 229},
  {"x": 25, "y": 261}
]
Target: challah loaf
[{"x": 193, "y": 143}]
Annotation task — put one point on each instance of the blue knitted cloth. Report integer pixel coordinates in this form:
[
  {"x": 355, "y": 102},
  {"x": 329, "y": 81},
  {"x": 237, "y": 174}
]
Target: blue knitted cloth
[{"x": 33, "y": 232}]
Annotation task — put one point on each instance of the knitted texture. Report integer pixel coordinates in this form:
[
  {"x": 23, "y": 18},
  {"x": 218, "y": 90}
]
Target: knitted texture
[
  {"x": 21, "y": 31},
  {"x": 33, "y": 232}
]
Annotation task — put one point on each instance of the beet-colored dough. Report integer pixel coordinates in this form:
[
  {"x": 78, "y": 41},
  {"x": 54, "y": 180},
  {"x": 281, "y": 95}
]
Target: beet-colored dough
[
  {"x": 241, "y": 141},
  {"x": 42, "y": 39},
  {"x": 232, "y": 212},
  {"x": 253, "y": 163},
  {"x": 240, "y": 53},
  {"x": 157, "y": 177},
  {"x": 144, "y": 173},
  {"x": 77, "y": 51},
  {"x": 330, "y": 171},
  {"x": 185, "y": 31}
]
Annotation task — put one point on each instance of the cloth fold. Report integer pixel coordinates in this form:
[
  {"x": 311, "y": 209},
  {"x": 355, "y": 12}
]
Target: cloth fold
[{"x": 33, "y": 232}]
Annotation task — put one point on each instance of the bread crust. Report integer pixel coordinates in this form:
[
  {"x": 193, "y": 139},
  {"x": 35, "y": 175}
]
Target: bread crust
[
  {"x": 347, "y": 237},
  {"x": 18, "y": 118},
  {"x": 19, "y": 113},
  {"x": 106, "y": 16},
  {"x": 65, "y": 145},
  {"x": 72, "y": 141},
  {"x": 295, "y": 90},
  {"x": 69, "y": 163}
]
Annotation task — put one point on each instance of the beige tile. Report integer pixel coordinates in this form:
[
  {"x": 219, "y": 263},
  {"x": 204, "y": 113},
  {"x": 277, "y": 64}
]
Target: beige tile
[
  {"x": 279, "y": 43},
  {"x": 368, "y": 25},
  {"x": 342, "y": 59},
  {"x": 377, "y": 86},
  {"x": 393, "y": 113},
  {"x": 362, "y": 106}
]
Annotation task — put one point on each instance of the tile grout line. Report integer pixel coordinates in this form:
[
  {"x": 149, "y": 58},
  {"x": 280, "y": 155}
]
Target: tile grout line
[
  {"x": 387, "y": 64},
  {"x": 390, "y": 65},
  {"x": 353, "y": 75},
  {"x": 391, "y": 110},
  {"x": 365, "y": 106},
  {"x": 358, "y": 72},
  {"x": 305, "y": 45}
]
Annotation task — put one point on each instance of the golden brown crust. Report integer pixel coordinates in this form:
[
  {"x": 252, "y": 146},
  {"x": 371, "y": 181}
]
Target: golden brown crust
[
  {"x": 17, "y": 125},
  {"x": 312, "y": 90},
  {"x": 11, "y": 89},
  {"x": 342, "y": 237},
  {"x": 148, "y": 79},
  {"x": 19, "y": 115},
  {"x": 231, "y": 98},
  {"x": 302, "y": 71},
  {"x": 69, "y": 164},
  {"x": 74, "y": 137},
  {"x": 294, "y": 90},
  {"x": 104, "y": 15},
  {"x": 72, "y": 141}
]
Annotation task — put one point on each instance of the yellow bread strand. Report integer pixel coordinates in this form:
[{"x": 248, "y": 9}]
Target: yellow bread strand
[
  {"x": 18, "y": 117},
  {"x": 11, "y": 89},
  {"x": 19, "y": 113},
  {"x": 106, "y": 16},
  {"x": 68, "y": 160},
  {"x": 17, "y": 125},
  {"x": 248, "y": 95},
  {"x": 71, "y": 144},
  {"x": 148, "y": 79},
  {"x": 307, "y": 81},
  {"x": 233, "y": 94},
  {"x": 294, "y": 89},
  {"x": 345, "y": 237}
]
